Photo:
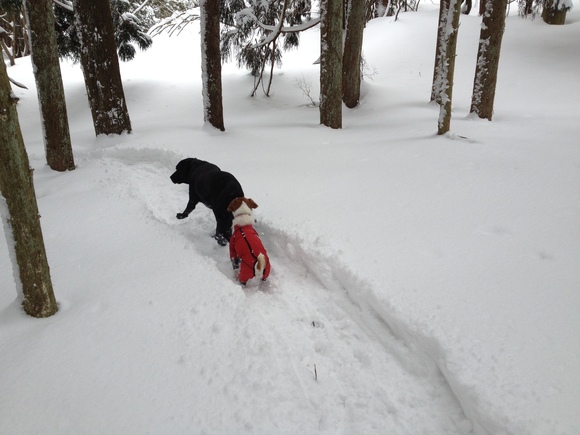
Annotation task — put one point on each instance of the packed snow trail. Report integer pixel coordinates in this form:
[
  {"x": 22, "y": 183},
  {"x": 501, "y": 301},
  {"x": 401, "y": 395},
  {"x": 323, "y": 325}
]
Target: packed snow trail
[{"x": 309, "y": 332}]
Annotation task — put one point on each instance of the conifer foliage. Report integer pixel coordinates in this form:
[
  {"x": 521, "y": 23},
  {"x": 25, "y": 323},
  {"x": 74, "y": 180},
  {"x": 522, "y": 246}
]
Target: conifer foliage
[
  {"x": 251, "y": 31},
  {"x": 129, "y": 31}
]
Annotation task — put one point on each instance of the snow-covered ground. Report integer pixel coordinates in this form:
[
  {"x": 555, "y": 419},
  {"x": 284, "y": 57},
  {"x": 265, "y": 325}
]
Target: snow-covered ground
[{"x": 420, "y": 284}]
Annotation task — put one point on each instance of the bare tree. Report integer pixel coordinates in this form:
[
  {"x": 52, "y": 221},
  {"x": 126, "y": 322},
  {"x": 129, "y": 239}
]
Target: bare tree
[
  {"x": 484, "y": 84},
  {"x": 351, "y": 66},
  {"x": 211, "y": 66},
  {"x": 59, "y": 155},
  {"x": 331, "y": 63},
  {"x": 17, "y": 188},
  {"x": 447, "y": 46},
  {"x": 100, "y": 66}
]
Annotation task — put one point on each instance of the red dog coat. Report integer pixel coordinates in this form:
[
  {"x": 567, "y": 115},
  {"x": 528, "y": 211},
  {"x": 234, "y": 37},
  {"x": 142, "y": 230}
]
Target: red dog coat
[{"x": 245, "y": 245}]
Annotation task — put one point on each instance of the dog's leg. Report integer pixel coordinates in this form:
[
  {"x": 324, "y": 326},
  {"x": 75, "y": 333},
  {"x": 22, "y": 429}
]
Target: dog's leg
[
  {"x": 260, "y": 266},
  {"x": 223, "y": 230},
  {"x": 193, "y": 201}
]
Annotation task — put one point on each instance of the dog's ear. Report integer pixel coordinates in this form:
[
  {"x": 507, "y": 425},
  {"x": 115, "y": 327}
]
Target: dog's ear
[
  {"x": 234, "y": 204},
  {"x": 251, "y": 203}
]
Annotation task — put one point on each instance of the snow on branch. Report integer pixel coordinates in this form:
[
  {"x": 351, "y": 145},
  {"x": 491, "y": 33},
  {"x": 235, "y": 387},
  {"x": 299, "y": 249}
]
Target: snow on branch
[
  {"x": 138, "y": 8},
  {"x": 174, "y": 24},
  {"x": 291, "y": 29},
  {"x": 20, "y": 85},
  {"x": 279, "y": 28},
  {"x": 64, "y": 4}
]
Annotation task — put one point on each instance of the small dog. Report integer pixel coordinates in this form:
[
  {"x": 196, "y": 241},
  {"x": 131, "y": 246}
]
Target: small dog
[
  {"x": 212, "y": 187},
  {"x": 246, "y": 249}
]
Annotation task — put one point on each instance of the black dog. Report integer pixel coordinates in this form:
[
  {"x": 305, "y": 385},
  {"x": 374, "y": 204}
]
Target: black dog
[{"x": 212, "y": 187}]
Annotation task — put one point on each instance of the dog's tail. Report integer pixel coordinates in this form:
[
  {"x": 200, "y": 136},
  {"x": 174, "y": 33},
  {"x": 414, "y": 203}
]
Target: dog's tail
[{"x": 260, "y": 266}]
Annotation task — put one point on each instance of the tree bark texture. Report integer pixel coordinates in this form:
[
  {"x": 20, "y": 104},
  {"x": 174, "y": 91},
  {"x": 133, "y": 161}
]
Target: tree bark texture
[
  {"x": 59, "y": 155},
  {"x": 492, "y": 28},
  {"x": 331, "y": 63},
  {"x": 100, "y": 65},
  {"x": 351, "y": 66},
  {"x": 450, "y": 25},
  {"x": 211, "y": 66},
  {"x": 17, "y": 188},
  {"x": 553, "y": 12},
  {"x": 438, "y": 68}
]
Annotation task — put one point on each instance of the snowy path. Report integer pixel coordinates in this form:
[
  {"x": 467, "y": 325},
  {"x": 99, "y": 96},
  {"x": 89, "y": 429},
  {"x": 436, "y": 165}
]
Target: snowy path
[{"x": 310, "y": 335}]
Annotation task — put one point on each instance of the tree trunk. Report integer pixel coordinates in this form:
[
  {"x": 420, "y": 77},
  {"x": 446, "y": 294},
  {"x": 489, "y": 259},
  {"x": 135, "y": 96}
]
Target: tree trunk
[
  {"x": 20, "y": 45},
  {"x": 59, "y": 155},
  {"x": 211, "y": 66},
  {"x": 100, "y": 65},
  {"x": 482, "y": 7},
  {"x": 449, "y": 22},
  {"x": 351, "y": 66},
  {"x": 331, "y": 63},
  {"x": 492, "y": 28},
  {"x": 17, "y": 188},
  {"x": 553, "y": 12},
  {"x": 466, "y": 9},
  {"x": 437, "y": 69},
  {"x": 528, "y": 7}
]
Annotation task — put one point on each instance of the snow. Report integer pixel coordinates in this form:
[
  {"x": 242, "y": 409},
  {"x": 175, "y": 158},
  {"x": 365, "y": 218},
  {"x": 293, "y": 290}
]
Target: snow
[{"x": 420, "y": 284}]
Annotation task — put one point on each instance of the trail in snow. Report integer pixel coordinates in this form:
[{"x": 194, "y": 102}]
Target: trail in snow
[{"x": 312, "y": 318}]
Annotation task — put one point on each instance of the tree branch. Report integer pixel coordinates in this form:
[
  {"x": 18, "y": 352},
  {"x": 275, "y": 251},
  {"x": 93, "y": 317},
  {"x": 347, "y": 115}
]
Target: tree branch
[{"x": 64, "y": 4}]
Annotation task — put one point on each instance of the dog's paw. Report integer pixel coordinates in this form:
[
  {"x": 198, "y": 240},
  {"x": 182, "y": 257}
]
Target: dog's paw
[
  {"x": 181, "y": 215},
  {"x": 222, "y": 241},
  {"x": 236, "y": 263}
]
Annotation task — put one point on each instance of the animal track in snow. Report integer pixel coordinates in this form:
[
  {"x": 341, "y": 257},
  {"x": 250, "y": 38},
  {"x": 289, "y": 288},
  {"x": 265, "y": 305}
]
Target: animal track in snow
[{"x": 318, "y": 322}]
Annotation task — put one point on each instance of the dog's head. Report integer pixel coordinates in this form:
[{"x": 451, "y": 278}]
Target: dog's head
[
  {"x": 184, "y": 170},
  {"x": 242, "y": 208}
]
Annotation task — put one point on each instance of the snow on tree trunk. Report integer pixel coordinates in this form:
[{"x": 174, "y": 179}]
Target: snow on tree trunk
[
  {"x": 351, "y": 67},
  {"x": 211, "y": 67},
  {"x": 438, "y": 69},
  {"x": 554, "y": 11},
  {"x": 449, "y": 24},
  {"x": 54, "y": 119},
  {"x": 331, "y": 63},
  {"x": 16, "y": 186},
  {"x": 100, "y": 65},
  {"x": 492, "y": 28}
]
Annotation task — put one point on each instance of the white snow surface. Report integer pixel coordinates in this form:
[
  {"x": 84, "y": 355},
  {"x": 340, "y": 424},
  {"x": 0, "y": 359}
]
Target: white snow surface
[{"x": 420, "y": 284}]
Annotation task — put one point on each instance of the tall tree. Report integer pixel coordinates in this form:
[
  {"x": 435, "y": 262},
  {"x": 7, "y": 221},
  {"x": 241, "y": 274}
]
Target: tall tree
[
  {"x": 351, "y": 64},
  {"x": 331, "y": 63},
  {"x": 438, "y": 66},
  {"x": 211, "y": 66},
  {"x": 100, "y": 66},
  {"x": 59, "y": 155},
  {"x": 448, "y": 30},
  {"x": 17, "y": 188},
  {"x": 491, "y": 34}
]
